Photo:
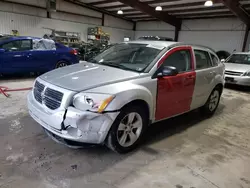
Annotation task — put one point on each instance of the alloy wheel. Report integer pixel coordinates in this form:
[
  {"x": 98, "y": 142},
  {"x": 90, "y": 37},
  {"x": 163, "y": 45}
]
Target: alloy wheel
[
  {"x": 214, "y": 99},
  {"x": 129, "y": 129}
]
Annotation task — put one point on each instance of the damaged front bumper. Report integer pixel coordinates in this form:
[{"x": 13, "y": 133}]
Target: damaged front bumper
[{"x": 71, "y": 123}]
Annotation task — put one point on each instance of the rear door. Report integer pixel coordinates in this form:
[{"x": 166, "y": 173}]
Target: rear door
[
  {"x": 44, "y": 55},
  {"x": 206, "y": 70},
  {"x": 16, "y": 56},
  {"x": 174, "y": 93}
]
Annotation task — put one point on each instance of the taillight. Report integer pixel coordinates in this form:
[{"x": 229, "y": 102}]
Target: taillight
[{"x": 73, "y": 51}]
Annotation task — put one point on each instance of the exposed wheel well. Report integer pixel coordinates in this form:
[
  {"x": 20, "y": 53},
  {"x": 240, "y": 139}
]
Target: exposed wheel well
[
  {"x": 220, "y": 87},
  {"x": 141, "y": 103}
]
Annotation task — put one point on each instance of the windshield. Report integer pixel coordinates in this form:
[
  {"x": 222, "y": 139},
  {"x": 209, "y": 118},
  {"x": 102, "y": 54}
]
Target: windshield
[
  {"x": 239, "y": 59},
  {"x": 128, "y": 56}
]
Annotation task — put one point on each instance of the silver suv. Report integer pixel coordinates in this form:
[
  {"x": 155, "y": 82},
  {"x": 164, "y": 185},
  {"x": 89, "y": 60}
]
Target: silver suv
[{"x": 116, "y": 96}]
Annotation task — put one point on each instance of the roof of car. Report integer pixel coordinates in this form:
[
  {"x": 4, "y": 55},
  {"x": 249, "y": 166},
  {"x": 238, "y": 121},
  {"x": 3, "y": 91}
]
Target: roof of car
[
  {"x": 154, "y": 43},
  {"x": 166, "y": 44},
  {"x": 22, "y": 37},
  {"x": 10, "y": 38}
]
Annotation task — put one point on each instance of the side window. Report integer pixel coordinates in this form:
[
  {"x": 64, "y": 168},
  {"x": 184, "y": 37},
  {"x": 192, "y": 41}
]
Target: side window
[
  {"x": 25, "y": 45},
  {"x": 215, "y": 60},
  {"x": 11, "y": 46},
  {"x": 17, "y": 45},
  {"x": 203, "y": 60},
  {"x": 181, "y": 60}
]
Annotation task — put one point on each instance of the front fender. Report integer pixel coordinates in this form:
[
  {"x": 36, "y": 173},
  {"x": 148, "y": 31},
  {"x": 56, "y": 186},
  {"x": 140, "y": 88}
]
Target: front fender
[
  {"x": 126, "y": 92},
  {"x": 135, "y": 92}
]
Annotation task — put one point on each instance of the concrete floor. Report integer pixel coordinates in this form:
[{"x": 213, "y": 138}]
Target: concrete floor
[{"x": 184, "y": 152}]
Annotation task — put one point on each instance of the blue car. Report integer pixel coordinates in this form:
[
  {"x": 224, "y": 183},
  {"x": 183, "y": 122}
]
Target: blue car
[{"x": 31, "y": 54}]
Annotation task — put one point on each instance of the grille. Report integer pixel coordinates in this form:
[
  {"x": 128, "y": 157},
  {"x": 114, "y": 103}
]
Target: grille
[
  {"x": 233, "y": 73},
  {"x": 47, "y": 96},
  {"x": 38, "y": 88}
]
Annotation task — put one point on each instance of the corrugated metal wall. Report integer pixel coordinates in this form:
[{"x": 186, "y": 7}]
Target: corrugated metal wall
[
  {"x": 220, "y": 34},
  {"x": 32, "y": 21}
]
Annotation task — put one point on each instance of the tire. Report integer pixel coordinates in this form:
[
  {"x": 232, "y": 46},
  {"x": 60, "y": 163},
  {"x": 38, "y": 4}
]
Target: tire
[
  {"x": 212, "y": 103},
  {"x": 61, "y": 64},
  {"x": 132, "y": 123}
]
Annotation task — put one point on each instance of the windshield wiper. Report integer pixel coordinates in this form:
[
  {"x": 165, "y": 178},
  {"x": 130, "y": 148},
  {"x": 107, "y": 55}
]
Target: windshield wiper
[
  {"x": 117, "y": 65},
  {"x": 94, "y": 61}
]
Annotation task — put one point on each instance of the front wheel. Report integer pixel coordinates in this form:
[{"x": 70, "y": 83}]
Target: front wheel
[
  {"x": 212, "y": 103},
  {"x": 127, "y": 130}
]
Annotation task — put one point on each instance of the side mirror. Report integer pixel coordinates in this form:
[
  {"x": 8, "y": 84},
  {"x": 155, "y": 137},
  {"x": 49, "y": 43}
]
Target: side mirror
[
  {"x": 167, "y": 71},
  {"x": 2, "y": 50},
  {"x": 222, "y": 60}
]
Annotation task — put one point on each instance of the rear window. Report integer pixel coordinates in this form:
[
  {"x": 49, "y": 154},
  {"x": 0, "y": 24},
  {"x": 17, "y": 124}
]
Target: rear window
[
  {"x": 215, "y": 60},
  {"x": 203, "y": 60}
]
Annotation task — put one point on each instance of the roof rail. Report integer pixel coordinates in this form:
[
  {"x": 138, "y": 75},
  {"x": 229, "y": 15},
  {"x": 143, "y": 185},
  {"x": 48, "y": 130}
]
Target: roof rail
[{"x": 183, "y": 43}]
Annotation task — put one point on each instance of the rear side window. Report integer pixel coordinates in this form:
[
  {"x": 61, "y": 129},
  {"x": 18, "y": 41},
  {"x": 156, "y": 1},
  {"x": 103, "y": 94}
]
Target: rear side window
[
  {"x": 181, "y": 60},
  {"x": 215, "y": 60},
  {"x": 25, "y": 45},
  {"x": 203, "y": 60}
]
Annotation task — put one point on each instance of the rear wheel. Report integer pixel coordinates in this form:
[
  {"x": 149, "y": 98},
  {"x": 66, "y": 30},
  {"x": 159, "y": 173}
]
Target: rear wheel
[
  {"x": 127, "y": 130},
  {"x": 212, "y": 103},
  {"x": 61, "y": 64}
]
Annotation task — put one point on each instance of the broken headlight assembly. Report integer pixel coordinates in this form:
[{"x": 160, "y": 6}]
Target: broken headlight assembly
[{"x": 94, "y": 102}]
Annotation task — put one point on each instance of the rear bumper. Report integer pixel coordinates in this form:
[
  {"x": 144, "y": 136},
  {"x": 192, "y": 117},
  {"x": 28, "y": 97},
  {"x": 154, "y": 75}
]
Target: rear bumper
[
  {"x": 85, "y": 127},
  {"x": 238, "y": 80}
]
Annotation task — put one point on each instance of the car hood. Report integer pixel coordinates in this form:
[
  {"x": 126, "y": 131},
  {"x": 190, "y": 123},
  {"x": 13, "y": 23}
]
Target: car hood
[
  {"x": 83, "y": 76},
  {"x": 237, "y": 67}
]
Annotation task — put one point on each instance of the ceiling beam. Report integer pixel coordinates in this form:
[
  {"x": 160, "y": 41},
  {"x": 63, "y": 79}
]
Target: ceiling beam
[
  {"x": 183, "y": 5},
  {"x": 160, "y": 1},
  {"x": 144, "y": 7},
  {"x": 228, "y": 13},
  {"x": 198, "y": 9},
  {"x": 208, "y": 17},
  {"x": 122, "y": 6},
  {"x": 245, "y": 39},
  {"x": 114, "y": 6},
  {"x": 139, "y": 17},
  {"x": 134, "y": 14},
  {"x": 98, "y": 9},
  {"x": 235, "y": 7},
  {"x": 102, "y": 2}
]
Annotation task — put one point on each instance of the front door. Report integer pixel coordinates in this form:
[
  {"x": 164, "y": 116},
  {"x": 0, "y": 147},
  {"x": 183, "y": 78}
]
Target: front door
[
  {"x": 16, "y": 56},
  {"x": 175, "y": 93}
]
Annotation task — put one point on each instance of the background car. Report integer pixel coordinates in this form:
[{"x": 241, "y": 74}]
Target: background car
[
  {"x": 238, "y": 69},
  {"x": 30, "y": 54},
  {"x": 155, "y": 38}
]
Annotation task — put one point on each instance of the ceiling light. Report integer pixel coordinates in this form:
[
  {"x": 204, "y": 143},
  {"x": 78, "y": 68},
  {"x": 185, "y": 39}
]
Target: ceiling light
[
  {"x": 119, "y": 12},
  {"x": 158, "y": 8},
  {"x": 208, "y": 3}
]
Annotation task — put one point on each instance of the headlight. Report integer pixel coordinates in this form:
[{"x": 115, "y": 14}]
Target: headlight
[
  {"x": 95, "y": 102},
  {"x": 246, "y": 73}
]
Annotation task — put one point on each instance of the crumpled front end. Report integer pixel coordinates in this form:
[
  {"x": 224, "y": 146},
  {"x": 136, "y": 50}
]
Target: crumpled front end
[{"x": 75, "y": 125}]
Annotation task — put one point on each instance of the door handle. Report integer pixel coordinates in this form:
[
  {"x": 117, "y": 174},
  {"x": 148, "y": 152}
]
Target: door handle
[
  {"x": 29, "y": 55},
  {"x": 190, "y": 77},
  {"x": 17, "y": 55}
]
